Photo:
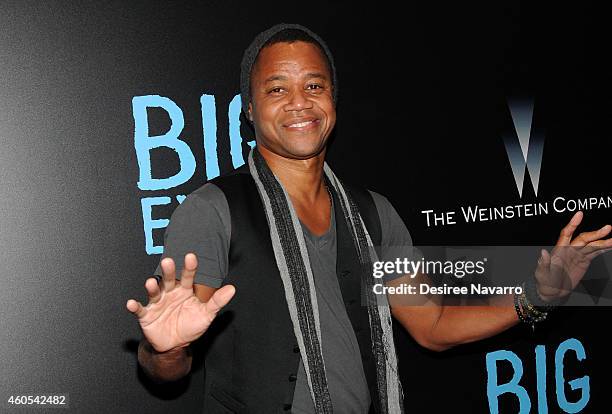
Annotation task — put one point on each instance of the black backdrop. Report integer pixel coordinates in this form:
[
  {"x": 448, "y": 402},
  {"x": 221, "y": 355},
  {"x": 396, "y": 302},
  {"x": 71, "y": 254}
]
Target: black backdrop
[{"x": 423, "y": 105}]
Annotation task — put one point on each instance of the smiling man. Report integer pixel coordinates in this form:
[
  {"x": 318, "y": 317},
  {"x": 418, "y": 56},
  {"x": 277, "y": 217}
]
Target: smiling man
[
  {"x": 298, "y": 129},
  {"x": 275, "y": 263}
]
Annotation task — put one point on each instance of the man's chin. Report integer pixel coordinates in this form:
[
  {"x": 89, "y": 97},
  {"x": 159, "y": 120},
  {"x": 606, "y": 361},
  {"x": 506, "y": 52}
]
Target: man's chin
[
  {"x": 302, "y": 153},
  {"x": 303, "y": 147},
  {"x": 295, "y": 147}
]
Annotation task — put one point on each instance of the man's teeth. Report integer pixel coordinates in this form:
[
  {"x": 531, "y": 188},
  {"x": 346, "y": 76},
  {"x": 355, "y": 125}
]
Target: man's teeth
[{"x": 301, "y": 124}]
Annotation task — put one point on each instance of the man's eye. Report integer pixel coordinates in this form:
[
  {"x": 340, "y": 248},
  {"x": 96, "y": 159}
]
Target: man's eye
[
  {"x": 314, "y": 86},
  {"x": 276, "y": 90}
]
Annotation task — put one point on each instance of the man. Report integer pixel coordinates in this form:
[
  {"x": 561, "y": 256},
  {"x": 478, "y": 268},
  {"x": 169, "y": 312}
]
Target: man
[{"x": 282, "y": 293}]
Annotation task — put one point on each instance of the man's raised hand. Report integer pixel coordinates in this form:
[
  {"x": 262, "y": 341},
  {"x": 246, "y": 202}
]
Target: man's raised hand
[
  {"x": 174, "y": 316},
  {"x": 560, "y": 271}
]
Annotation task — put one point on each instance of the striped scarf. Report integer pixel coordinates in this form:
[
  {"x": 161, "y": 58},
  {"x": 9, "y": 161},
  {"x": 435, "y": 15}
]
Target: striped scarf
[{"x": 294, "y": 267}]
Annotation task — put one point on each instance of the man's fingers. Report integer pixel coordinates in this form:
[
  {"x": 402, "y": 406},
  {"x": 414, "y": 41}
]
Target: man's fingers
[
  {"x": 568, "y": 231},
  {"x": 543, "y": 261},
  {"x": 169, "y": 273},
  {"x": 594, "y": 254},
  {"x": 136, "y": 308},
  {"x": 544, "y": 258},
  {"x": 596, "y": 246},
  {"x": 587, "y": 237},
  {"x": 153, "y": 290},
  {"x": 220, "y": 298},
  {"x": 189, "y": 270}
]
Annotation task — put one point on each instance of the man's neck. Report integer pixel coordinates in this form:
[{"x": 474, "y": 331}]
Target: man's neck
[{"x": 302, "y": 179}]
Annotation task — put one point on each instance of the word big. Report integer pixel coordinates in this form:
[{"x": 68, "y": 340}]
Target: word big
[{"x": 494, "y": 390}]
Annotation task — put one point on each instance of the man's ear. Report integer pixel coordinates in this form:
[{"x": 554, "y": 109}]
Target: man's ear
[{"x": 250, "y": 112}]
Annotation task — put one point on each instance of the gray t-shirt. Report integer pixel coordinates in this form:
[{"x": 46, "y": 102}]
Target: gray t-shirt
[{"x": 202, "y": 225}]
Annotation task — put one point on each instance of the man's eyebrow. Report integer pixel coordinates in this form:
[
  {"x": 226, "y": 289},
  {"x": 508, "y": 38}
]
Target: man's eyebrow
[
  {"x": 316, "y": 75},
  {"x": 307, "y": 76},
  {"x": 275, "y": 78}
]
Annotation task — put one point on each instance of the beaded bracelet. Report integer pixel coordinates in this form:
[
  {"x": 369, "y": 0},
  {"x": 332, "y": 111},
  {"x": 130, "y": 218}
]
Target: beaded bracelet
[
  {"x": 526, "y": 311},
  {"x": 533, "y": 313}
]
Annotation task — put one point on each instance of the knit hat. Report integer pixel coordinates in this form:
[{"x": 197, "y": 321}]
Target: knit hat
[{"x": 251, "y": 53}]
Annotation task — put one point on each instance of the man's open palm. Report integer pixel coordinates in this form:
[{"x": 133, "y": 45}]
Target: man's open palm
[
  {"x": 174, "y": 316},
  {"x": 560, "y": 271}
]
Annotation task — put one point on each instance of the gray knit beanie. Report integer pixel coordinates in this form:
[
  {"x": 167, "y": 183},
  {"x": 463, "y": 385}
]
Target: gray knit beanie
[{"x": 251, "y": 53}]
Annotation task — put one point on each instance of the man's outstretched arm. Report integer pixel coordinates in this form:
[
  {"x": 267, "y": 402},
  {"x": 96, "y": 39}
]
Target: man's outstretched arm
[{"x": 439, "y": 327}]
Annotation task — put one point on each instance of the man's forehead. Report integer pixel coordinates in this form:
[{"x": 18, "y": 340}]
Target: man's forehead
[{"x": 305, "y": 59}]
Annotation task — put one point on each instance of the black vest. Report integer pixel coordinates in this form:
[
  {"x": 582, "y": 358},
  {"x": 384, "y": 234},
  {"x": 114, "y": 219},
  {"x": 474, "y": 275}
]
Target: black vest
[{"x": 251, "y": 355}]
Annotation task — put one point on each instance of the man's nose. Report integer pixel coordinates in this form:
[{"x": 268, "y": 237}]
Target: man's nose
[{"x": 297, "y": 101}]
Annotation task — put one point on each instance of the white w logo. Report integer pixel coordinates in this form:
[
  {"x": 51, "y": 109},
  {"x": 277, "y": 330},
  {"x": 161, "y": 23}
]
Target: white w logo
[{"x": 525, "y": 148}]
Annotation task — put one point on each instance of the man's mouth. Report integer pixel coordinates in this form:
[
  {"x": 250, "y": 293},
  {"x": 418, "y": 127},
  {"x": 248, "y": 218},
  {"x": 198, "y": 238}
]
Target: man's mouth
[{"x": 302, "y": 124}]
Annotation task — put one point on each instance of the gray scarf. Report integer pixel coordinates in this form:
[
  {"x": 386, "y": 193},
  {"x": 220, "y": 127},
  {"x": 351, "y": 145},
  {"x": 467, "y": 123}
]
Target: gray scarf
[{"x": 295, "y": 271}]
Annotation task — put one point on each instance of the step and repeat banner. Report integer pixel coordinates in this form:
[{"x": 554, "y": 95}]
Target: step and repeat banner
[{"x": 482, "y": 124}]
